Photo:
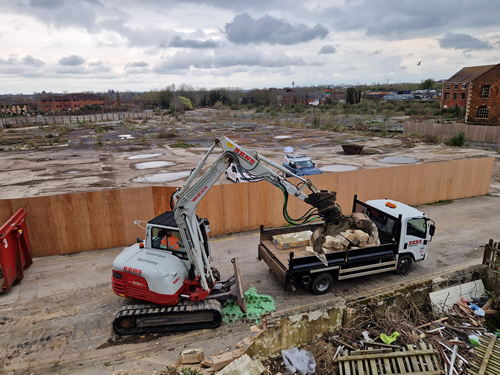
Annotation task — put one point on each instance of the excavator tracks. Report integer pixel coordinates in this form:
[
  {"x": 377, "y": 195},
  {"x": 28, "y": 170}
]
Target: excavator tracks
[{"x": 185, "y": 316}]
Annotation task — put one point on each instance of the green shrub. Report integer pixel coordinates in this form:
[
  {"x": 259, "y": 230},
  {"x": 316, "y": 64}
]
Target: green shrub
[{"x": 457, "y": 140}]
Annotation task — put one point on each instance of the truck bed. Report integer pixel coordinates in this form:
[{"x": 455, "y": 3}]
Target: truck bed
[{"x": 287, "y": 264}]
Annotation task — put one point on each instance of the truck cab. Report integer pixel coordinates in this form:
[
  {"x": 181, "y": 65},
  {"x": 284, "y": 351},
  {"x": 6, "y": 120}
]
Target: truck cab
[
  {"x": 300, "y": 165},
  {"x": 404, "y": 225}
]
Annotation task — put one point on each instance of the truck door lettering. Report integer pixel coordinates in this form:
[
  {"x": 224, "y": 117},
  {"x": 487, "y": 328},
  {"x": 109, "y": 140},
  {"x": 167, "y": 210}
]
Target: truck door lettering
[{"x": 415, "y": 242}]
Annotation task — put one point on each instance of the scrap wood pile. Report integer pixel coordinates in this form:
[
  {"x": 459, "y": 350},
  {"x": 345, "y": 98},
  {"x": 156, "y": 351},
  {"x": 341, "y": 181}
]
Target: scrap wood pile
[{"x": 457, "y": 344}]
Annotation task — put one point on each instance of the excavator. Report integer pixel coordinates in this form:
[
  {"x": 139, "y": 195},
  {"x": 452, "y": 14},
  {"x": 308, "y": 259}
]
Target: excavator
[{"x": 174, "y": 275}]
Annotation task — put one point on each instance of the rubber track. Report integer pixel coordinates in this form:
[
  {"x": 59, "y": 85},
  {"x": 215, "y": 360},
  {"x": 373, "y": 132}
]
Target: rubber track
[{"x": 187, "y": 307}]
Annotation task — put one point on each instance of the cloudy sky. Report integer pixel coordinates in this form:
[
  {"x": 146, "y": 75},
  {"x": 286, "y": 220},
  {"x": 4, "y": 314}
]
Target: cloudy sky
[{"x": 96, "y": 45}]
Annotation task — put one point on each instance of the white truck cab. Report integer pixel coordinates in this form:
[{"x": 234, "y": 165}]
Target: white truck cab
[{"x": 416, "y": 228}]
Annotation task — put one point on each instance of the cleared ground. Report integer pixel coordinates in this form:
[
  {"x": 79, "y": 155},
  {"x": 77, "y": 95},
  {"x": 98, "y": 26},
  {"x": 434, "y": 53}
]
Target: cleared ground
[{"x": 162, "y": 151}]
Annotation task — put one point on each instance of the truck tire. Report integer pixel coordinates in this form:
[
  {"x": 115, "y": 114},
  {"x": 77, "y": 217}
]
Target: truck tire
[
  {"x": 227, "y": 176},
  {"x": 404, "y": 265},
  {"x": 322, "y": 283}
]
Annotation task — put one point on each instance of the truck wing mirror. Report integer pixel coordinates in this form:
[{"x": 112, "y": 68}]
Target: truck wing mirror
[{"x": 432, "y": 230}]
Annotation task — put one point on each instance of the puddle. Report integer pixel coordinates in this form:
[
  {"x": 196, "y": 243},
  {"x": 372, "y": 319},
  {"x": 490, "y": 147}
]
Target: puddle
[
  {"x": 153, "y": 164},
  {"x": 338, "y": 168},
  {"x": 72, "y": 172},
  {"x": 283, "y": 136},
  {"x": 161, "y": 177},
  {"x": 126, "y": 136},
  {"x": 398, "y": 160},
  {"x": 143, "y": 156}
]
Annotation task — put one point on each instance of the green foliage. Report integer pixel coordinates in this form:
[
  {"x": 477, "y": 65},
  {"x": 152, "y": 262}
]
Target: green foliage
[
  {"x": 427, "y": 84},
  {"x": 91, "y": 108},
  {"x": 457, "y": 140},
  {"x": 188, "y": 106}
]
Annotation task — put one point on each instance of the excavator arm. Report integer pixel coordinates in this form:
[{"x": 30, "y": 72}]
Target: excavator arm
[{"x": 186, "y": 200}]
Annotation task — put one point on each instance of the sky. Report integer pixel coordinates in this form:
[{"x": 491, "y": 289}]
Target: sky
[{"x": 101, "y": 45}]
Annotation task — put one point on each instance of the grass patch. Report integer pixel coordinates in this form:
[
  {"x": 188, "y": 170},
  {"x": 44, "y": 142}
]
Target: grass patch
[
  {"x": 440, "y": 203},
  {"x": 181, "y": 144}
]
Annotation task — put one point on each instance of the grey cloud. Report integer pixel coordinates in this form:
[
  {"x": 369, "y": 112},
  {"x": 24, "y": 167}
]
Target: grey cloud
[
  {"x": 328, "y": 49},
  {"x": 137, "y": 64},
  {"x": 232, "y": 58},
  {"x": 30, "y": 60},
  {"x": 26, "y": 60},
  {"x": 402, "y": 19},
  {"x": 243, "y": 29},
  {"x": 72, "y": 60},
  {"x": 177, "y": 41},
  {"x": 463, "y": 41},
  {"x": 376, "y": 52},
  {"x": 137, "y": 67},
  {"x": 93, "y": 68},
  {"x": 66, "y": 13},
  {"x": 49, "y": 4}
]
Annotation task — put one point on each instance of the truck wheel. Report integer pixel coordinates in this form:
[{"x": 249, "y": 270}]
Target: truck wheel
[
  {"x": 404, "y": 265},
  {"x": 322, "y": 283},
  {"x": 227, "y": 176}
]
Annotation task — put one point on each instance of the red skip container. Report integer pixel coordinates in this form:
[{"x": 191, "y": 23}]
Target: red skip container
[{"x": 15, "y": 251}]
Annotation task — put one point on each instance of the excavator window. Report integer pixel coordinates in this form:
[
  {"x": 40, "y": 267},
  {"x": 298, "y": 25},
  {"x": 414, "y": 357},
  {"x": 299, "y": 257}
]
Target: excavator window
[{"x": 168, "y": 239}]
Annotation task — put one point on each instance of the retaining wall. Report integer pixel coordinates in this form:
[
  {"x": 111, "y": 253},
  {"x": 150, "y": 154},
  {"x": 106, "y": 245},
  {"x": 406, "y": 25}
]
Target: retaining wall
[{"x": 70, "y": 223}]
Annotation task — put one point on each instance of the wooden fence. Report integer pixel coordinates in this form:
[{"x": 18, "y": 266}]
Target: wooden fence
[
  {"x": 473, "y": 133},
  {"x": 23, "y": 121},
  {"x": 69, "y": 223}
]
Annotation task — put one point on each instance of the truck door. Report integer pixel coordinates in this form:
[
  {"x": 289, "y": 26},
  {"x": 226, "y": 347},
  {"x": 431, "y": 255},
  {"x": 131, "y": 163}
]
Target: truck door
[{"x": 415, "y": 240}]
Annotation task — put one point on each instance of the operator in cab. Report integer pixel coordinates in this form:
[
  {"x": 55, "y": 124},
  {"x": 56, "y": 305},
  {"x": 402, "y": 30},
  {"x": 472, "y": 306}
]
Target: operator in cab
[{"x": 169, "y": 241}]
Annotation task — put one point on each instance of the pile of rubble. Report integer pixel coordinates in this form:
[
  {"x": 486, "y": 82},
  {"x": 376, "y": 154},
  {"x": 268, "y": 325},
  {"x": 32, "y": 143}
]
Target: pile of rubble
[{"x": 458, "y": 343}]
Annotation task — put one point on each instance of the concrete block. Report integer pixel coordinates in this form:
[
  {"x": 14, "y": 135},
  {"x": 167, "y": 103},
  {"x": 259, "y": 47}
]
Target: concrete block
[
  {"x": 291, "y": 240},
  {"x": 192, "y": 356}
]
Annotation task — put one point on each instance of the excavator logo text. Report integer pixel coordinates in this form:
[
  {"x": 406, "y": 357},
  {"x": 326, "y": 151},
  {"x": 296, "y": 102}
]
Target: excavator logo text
[
  {"x": 134, "y": 270},
  {"x": 244, "y": 156},
  {"x": 200, "y": 193}
]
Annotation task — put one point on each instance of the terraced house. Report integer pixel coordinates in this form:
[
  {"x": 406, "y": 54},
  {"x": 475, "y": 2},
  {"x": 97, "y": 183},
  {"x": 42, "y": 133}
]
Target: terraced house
[{"x": 476, "y": 90}]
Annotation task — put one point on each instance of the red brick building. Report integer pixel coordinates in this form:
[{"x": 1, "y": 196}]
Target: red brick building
[
  {"x": 69, "y": 102},
  {"x": 475, "y": 89}
]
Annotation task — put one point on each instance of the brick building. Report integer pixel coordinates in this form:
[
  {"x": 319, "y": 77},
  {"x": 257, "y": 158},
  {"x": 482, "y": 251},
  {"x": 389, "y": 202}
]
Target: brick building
[
  {"x": 69, "y": 102},
  {"x": 9, "y": 107},
  {"x": 475, "y": 89}
]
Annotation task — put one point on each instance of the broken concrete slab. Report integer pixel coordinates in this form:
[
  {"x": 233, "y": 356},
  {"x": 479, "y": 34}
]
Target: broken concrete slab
[{"x": 243, "y": 365}]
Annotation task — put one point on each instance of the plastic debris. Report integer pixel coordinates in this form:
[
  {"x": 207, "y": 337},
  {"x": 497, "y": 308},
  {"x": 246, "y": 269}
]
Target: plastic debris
[
  {"x": 299, "y": 361},
  {"x": 474, "y": 340},
  {"x": 257, "y": 305},
  {"x": 389, "y": 339}
]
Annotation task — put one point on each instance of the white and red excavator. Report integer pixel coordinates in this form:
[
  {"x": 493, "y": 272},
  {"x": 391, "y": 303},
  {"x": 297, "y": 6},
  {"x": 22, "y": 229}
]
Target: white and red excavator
[{"x": 175, "y": 276}]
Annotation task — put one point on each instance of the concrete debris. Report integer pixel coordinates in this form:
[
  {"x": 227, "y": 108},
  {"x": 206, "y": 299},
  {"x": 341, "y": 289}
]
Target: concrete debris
[
  {"x": 243, "y": 365},
  {"x": 219, "y": 361},
  {"x": 191, "y": 356}
]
